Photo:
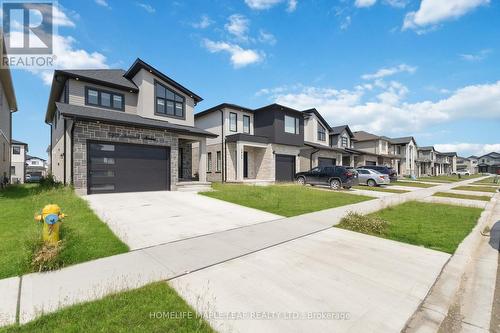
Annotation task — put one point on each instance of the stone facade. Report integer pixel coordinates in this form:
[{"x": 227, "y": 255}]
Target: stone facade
[
  {"x": 87, "y": 130},
  {"x": 187, "y": 160}
]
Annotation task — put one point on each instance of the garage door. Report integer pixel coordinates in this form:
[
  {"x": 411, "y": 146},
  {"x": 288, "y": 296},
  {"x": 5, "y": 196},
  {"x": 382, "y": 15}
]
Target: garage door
[
  {"x": 127, "y": 168},
  {"x": 285, "y": 168},
  {"x": 323, "y": 161}
]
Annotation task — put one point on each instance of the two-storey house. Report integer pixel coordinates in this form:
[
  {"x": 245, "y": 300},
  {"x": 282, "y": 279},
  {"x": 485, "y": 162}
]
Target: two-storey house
[
  {"x": 36, "y": 166},
  {"x": 473, "y": 164},
  {"x": 261, "y": 145},
  {"x": 18, "y": 162},
  {"x": 404, "y": 150},
  {"x": 426, "y": 160},
  {"x": 8, "y": 105},
  {"x": 489, "y": 163},
  {"x": 373, "y": 150},
  {"x": 115, "y": 130}
]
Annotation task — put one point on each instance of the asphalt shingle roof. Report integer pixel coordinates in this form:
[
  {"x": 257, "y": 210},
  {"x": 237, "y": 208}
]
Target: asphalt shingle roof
[{"x": 109, "y": 76}]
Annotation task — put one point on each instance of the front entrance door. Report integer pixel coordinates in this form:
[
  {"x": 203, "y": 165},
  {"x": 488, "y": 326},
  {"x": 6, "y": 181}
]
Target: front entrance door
[
  {"x": 181, "y": 163},
  {"x": 245, "y": 164}
]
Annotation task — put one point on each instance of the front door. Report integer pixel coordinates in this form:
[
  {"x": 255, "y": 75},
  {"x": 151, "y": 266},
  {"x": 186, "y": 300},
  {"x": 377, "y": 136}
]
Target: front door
[
  {"x": 181, "y": 163},
  {"x": 245, "y": 164}
]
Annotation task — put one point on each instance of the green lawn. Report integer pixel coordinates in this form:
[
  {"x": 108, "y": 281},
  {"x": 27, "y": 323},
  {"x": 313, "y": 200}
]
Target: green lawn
[
  {"x": 284, "y": 200},
  {"x": 488, "y": 181},
  {"x": 448, "y": 178},
  {"x": 462, "y": 196},
  {"x": 379, "y": 189},
  {"x": 411, "y": 184},
  {"x": 131, "y": 311},
  {"x": 476, "y": 188},
  {"x": 85, "y": 236},
  {"x": 435, "y": 226}
]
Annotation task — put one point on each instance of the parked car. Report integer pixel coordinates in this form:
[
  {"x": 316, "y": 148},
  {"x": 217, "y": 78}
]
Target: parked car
[
  {"x": 393, "y": 175},
  {"x": 464, "y": 172},
  {"x": 372, "y": 177},
  {"x": 334, "y": 176},
  {"x": 33, "y": 178}
]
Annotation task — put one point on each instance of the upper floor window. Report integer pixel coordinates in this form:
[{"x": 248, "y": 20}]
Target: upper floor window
[
  {"x": 345, "y": 142},
  {"x": 209, "y": 162},
  {"x": 321, "y": 133},
  {"x": 16, "y": 150},
  {"x": 233, "y": 122},
  {"x": 168, "y": 103},
  {"x": 246, "y": 124},
  {"x": 105, "y": 99},
  {"x": 292, "y": 125},
  {"x": 398, "y": 150}
]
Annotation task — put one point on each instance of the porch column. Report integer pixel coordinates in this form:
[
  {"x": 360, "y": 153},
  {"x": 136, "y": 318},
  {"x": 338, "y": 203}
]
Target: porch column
[
  {"x": 239, "y": 161},
  {"x": 202, "y": 165},
  {"x": 339, "y": 159},
  {"x": 351, "y": 161}
]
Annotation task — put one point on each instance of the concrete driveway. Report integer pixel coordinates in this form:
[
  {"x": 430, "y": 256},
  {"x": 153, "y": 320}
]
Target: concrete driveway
[
  {"x": 151, "y": 218},
  {"x": 360, "y": 283}
]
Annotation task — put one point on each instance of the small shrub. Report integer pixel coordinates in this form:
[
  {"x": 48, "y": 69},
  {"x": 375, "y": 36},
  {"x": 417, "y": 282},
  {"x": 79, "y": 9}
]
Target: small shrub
[
  {"x": 49, "y": 182},
  {"x": 43, "y": 257},
  {"x": 364, "y": 223}
]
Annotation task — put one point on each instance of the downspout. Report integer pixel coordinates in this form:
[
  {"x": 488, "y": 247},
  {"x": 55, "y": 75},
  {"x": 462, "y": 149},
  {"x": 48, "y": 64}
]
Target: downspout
[
  {"x": 223, "y": 148},
  {"x": 311, "y": 157},
  {"x": 72, "y": 150},
  {"x": 50, "y": 150},
  {"x": 64, "y": 151}
]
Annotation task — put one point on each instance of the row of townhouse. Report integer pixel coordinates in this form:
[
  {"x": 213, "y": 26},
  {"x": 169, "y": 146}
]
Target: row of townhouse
[{"x": 118, "y": 130}]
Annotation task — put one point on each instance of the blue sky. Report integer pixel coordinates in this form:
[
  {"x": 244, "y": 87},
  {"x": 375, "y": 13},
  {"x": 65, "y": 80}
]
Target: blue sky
[{"x": 427, "y": 68}]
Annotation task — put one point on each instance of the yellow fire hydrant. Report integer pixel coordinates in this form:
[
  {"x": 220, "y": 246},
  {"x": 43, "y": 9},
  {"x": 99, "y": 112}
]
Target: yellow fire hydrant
[{"x": 51, "y": 217}]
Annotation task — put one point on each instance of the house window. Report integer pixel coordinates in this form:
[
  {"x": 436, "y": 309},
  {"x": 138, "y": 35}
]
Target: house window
[
  {"x": 321, "y": 133},
  {"x": 398, "y": 149},
  {"x": 4, "y": 152},
  {"x": 233, "y": 122},
  {"x": 16, "y": 150},
  {"x": 168, "y": 103},
  {"x": 292, "y": 125},
  {"x": 344, "y": 142},
  {"x": 209, "y": 162},
  {"x": 12, "y": 170},
  {"x": 218, "y": 162},
  {"x": 246, "y": 124},
  {"x": 105, "y": 99}
]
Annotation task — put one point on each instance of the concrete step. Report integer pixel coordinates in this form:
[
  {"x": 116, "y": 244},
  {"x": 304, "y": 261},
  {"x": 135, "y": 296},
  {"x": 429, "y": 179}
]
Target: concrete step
[{"x": 193, "y": 186}]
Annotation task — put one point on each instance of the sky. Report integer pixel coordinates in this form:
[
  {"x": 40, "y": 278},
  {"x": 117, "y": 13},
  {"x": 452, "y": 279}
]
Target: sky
[{"x": 423, "y": 68}]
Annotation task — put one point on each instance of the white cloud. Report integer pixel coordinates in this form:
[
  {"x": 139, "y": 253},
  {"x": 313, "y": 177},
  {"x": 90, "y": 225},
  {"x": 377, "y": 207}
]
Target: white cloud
[
  {"x": 147, "y": 7},
  {"x": 432, "y": 12},
  {"x": 467, "y": 149},
  {"x": 267, "y": 37},
  {"x": 203, "y": 23},
  {"x": 382, "y": 107},
  {"x": 364, "y": 3},
  {"x": 396, "y": 3},
  {"x": 238, "y": 26},
  {"x": 239, "y": 56},
  {"x": 479, "y": 56},
  {"x": 68, "y": 56},
  {"x": 102, "y": 3},
  {"x": 384, "y": 72},
  {"x": 266, "y": 4},
  {"x": 345, "y": 23}
]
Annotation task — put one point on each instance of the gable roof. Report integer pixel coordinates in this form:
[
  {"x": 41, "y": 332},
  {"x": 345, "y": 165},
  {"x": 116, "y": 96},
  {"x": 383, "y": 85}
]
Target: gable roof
[
  {"x": 451, "y": 153},
  {"x": 492, "y": 154},
  {"x": 365, "y": 136},
  {"x": 140, "y": 64},
  {"x": 320, "y": 117},
  {"x": 279, "y": 106},
  {"x": 29, "y": 157},
  {"x": 337, "y": 130},
  {"x": 109, "y": 77},
  {"x": 404, "y": 139},
  {"x": 18, "y": 142},
  {"x": 222, "y": 106},
  {"x": 122, "y": 118},
  {"x": 6, "y": 80},
  {"x": 426, "y": 148}
]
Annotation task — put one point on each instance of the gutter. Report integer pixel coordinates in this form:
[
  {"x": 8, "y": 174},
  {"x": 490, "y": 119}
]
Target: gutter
[
  {"x": 311, "y": 156},
  {"x": 72, "y": 150},
  {"x": 64, "y": 151},
  {"x": 223, "y": 148}
]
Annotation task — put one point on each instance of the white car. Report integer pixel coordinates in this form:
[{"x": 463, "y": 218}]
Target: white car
[
  {"x": 372, "y": 177},
  {"x": 462, "y": 172}
]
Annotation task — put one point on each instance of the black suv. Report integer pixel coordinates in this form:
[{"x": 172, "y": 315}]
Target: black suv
[
  {"x": 334, "y": 176},
  {"x": 393, "y": 176}
]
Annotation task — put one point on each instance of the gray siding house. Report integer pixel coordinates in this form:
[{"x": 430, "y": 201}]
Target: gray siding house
[
  {"x": 489, "y": 163},
  {"x": 116, "y": 130}
]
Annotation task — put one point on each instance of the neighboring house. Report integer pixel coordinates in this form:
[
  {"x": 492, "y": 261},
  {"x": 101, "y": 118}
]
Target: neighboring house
[
  {"x": 467, "y": 163},
  {"x": 253, "y": 145},
  {"x": 18, "y": 162},
  {"x": 8, "y": 105},
  {"x": 489, "y": 163},
  {"x": 36, "y": 166},
  {"x": 116, "y": 130},
  {"x": 474, "y": 161},
  {"x": 426, "y": 161},
  {"x": 446, "y": 163},
  {"x": 404, "y": 150}
]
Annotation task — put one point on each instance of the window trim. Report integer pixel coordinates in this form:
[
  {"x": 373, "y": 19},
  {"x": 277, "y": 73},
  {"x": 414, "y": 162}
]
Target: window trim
[
  {"x": 218, "y": 161},
  {"x": 183, "y": 117},
  {"x": 342, "y": 138},
  {"x": 236, "y": 122},
  {"x": 209, "y": 162},
  {"x": 13, "y": 151},
  {"x": 321, "y": 133},
  {"x": 296, "y": 122},
  {"x": 246, "y": 117},
  {"x": 99, "y": 101}
]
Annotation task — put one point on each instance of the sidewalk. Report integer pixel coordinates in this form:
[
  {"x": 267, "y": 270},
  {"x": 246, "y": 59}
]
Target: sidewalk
[{"x": 95, "y": 279}]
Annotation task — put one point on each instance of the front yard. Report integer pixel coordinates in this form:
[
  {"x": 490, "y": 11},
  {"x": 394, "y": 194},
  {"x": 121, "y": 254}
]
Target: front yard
[
  {"x": 141, "y": 310},
  {"x": 477, "y": 188},
  {"x": 462, "y": 196},
  {"x": 494, "y": 180},
  {"x": 411, "y": 184},
  {"x": 284, "y": 200},
  {"x": 379, "y": 189},
  {"x": 448, "y": 178},
  {"x": 84, "y": 236},
  {"x": 435, "y": 226}
]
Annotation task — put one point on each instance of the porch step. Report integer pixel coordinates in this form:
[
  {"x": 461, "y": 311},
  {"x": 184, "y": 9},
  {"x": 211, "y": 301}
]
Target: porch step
[{"x": 193, "y": 186}]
